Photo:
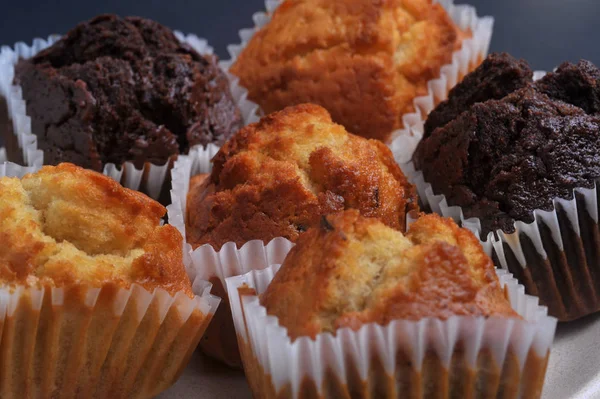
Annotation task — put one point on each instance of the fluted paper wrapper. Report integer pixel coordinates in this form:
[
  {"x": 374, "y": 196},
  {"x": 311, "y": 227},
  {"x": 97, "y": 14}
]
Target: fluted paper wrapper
[
  {"x": 458, "y": 357},
  {"x": 152, "y": 179},
  {"x": 206, "y": 263},
  {"x": 107, "y": 342},
  {"x": 556, "y": 257},
  {"x": 472, "y": 52}
]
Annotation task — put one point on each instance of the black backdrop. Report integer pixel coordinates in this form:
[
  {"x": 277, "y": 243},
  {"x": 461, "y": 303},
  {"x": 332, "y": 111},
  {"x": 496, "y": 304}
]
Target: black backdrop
[{"x": 545, "y": 32}]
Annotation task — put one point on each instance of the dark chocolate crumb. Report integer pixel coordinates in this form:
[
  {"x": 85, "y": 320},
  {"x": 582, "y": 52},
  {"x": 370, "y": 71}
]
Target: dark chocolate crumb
[
  {"x": 325, "y": 225},
  {"x": 376, "y": 196},
  {"x": 301, "y": 228}
]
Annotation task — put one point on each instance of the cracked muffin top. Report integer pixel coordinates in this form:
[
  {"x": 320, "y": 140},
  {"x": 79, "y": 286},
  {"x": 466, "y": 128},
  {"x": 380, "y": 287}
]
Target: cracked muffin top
[
  {"x": 124, "y": 89},
  {"x": 503, "y": 146},
  {"x": 278, "y": 176},
  {"x": 351, "y": 270},
  {"x": 67, "y": 225},
  {"x": 363, "y": 60}
]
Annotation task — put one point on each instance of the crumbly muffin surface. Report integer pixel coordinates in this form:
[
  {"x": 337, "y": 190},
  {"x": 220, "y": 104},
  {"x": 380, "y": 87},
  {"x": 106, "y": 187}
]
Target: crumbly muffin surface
[
  {"x": 352, "y": 270},
  {"x": 500, "y": 158},
  {"x": 67, "y": 225},
  {"x": 124, "y": 89},
  {"x": 363, "y": 60},
  {"x": 278, "y": 176}
]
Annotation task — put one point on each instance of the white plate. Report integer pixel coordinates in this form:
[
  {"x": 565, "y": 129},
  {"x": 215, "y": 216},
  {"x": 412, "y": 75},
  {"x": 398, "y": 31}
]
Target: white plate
[
  {"x": 573, "y": 369},
  {"x": 206, "y": 378}
]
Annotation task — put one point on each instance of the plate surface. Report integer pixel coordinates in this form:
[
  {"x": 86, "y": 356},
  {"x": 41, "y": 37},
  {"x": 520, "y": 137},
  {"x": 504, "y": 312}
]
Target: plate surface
[
  {"x": 574, "y": 366},
  {"x": 206, "y": 378}
]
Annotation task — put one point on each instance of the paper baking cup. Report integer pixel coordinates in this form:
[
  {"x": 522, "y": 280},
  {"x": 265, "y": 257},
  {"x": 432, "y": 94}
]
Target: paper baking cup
[
  {"x": 459, "y": 357},
  {"x": 556, "y": 257},
  {"x": 16, "y": 125},
  {"x": 208, "y": 264},
  {"x": 87, "y": 342},
  {"x": 473, "y": 51}
]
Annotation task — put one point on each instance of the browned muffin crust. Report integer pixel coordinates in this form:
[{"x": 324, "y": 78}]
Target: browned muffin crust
[
  {"x": 66, "y": 225},
  {"x": 353, "y": 270},
  {"x": 363, "y": 60},
  {"x": 278, "y": 176}
]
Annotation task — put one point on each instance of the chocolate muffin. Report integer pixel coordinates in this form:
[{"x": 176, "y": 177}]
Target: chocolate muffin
[
  {"x": 503, "y": 157},
  {"x": 124, "y": 89}
]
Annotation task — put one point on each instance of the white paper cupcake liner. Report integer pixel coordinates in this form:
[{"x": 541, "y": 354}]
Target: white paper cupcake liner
[
  {"x": 473, "y": 51},
  {"x": 102, "y": 342},
  {"x": 555, "y": 256},
  {"x": 368, "y": 360},
  {"x": 151, "y": 178}
]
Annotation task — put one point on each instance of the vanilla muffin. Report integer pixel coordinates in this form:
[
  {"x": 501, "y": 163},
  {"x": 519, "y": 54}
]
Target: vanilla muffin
[
  {"x": 67, "y": 225},
  {"x": 365, "y": 61},
  {"x": 360, "y": 310},
  {"x": 275, "y": 178},
  {"x": 94, "y": 297},
  {"x": 352, "y": 270}
]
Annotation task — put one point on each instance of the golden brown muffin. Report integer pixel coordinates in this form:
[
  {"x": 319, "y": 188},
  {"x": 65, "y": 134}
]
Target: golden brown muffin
[
  {"x": 363, "y": 60},
  {"x": 278, "y": 176},
  {"x": 352, "y": 270},
  {"x": 67, "y": 225}
]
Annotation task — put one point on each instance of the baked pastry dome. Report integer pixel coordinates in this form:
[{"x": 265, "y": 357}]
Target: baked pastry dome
[
  {"x": 278, "y": 176},
  {"x": 503, "y": 146},
  {"x": 124, "y": 89},
  {"x": 352, "y": 270},
  {"x": 364, "y": 61},
  {"x": 67, "y": 225}
]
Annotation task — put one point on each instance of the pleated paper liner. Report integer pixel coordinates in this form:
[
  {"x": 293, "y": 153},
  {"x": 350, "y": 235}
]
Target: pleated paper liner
[
  {"x": 472, "y": 52},
  {"x": 556, "y": 257},
  {"x": 459, "y": 357},
  {"x": 106, "y": 342},
  {"x": 21, "y": 143}
]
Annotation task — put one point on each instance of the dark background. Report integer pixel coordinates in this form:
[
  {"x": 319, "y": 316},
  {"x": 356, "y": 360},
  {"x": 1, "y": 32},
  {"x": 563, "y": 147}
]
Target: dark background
[{"x": 545, "y": 32}]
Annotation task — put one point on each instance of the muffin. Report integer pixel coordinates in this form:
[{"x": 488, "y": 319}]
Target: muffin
[
  {"x": 116, "y": 90},
  {"x": 94, "y": 298},
  {"x": 391, "y": 315},
  {"x": 520, "y": 157},
  {"x": 352, "y": 271},
  {"x": 364, "y": 61},
  {"x": 276, "y": 178}
]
